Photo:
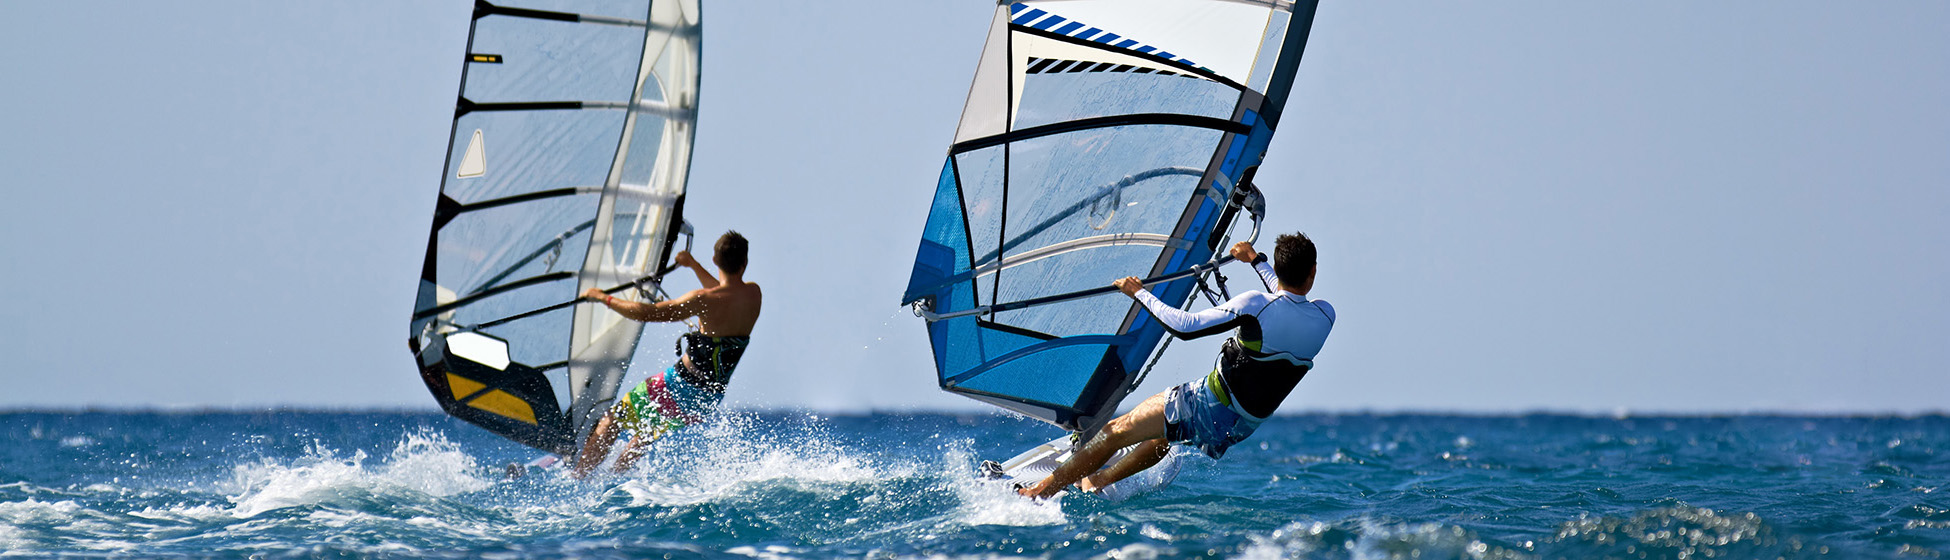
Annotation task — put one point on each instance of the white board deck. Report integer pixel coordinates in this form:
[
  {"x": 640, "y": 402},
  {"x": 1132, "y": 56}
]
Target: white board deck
[{"x": 1033, "y": 465}]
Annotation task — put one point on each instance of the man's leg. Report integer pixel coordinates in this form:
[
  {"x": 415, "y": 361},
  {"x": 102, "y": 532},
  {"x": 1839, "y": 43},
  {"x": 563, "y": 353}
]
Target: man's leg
[
  {"x": 1145, "y": 422},
  {"x": 1145, "y": 456},
  {"x": 597, "y": 447},
  {"x": 634, "y": 450}
]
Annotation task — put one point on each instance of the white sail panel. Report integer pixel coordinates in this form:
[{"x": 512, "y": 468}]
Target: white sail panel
[
  {"x": 1221, "y": 35},
  {"x": 630, "y": 243},
  {"x": 990, "y": 103}
]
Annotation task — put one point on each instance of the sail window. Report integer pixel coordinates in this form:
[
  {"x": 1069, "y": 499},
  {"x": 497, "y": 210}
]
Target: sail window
[
  {"x": 481, "y": 349},
  {"x": 474, "y": 163}
]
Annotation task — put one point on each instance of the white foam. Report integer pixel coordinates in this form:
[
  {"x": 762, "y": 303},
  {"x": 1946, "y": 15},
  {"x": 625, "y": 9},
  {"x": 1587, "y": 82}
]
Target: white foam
[
  {"x": 985, "y": 503},
  {"x": 725, "y": 457},
  {"x": 15, "y": 517},
  {"x": 424, "y": 463}
]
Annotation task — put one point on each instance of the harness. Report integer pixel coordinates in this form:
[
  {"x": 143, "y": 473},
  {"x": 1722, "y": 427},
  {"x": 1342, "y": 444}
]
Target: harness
[
  {"x": 712, "y": 359},
  {"x": 1253, "y": 382}
]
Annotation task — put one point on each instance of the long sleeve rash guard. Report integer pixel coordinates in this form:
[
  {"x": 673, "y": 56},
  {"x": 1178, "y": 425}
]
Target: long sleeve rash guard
[{"x": 1278, "y": 335}]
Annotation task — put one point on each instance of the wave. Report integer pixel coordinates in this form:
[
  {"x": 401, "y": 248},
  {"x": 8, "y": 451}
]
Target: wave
[{"x": 423, "y": 464}]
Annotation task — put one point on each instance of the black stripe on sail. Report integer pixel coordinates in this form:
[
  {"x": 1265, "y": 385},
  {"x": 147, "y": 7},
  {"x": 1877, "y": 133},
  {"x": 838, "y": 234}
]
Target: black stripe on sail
[
  {"x": 1101, "y": 122},
  {"x": 553, "y": 246},
  {"x": 483, "y": 9},
  {"x": 448, "y": 208},
  {"x": 1122, "y": 68},
  {"x": 1181, "y": 66},
  {"x": 1036, "y": 65},
  {"x": 466, "y": 106},
  {"x": 1012, "y": 329},
  {"x": 1060, "y": 66}
]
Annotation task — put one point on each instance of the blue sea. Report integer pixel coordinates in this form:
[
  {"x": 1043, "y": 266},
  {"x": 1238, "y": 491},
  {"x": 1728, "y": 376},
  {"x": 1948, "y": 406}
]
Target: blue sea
[{"x": 797, "y": 485}]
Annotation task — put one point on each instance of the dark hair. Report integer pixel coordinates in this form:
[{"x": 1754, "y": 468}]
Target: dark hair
[
  {"x": 730, "y": 252},
  {"x": 1293, "y": 259}
]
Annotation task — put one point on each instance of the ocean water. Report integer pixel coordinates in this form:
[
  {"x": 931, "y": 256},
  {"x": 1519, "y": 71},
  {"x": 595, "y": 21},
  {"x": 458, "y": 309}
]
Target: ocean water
[{"x": 795, "y": 485}]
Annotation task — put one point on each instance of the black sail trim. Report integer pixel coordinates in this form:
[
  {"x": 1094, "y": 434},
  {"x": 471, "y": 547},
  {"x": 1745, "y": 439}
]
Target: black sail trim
[
  {"x": 1175, "y": 119},
  {"x": 1015, "y": 330},
  {"x": 465, "y": 106},
  {"x": 448, "y": 208},
  {"x": 1187, "y": 68},
  {"x": 484, "y": 294},
  {"x": 483, "y": 9}
]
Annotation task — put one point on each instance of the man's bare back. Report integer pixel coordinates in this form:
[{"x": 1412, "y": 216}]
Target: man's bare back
[
  {"x": 723, "y": 308},
  {"x": 730, "y": 308}
]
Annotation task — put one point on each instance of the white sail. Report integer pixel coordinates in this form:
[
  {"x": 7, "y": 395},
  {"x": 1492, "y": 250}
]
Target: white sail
[{"x": 591, "y": 109}]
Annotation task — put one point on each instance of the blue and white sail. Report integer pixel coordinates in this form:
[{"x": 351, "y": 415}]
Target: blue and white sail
[
  {"x": 1101, "y": 139},
  {"x": 566, "y": 170}
]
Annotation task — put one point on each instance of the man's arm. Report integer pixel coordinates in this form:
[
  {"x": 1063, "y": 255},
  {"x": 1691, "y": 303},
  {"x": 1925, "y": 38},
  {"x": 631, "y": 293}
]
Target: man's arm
[
  {"x": 669, "y": 311},
  {"x": 1185, "y": 325},
  {"x": 704, "y": 277},
  {"x": 1243, "y": 252}
]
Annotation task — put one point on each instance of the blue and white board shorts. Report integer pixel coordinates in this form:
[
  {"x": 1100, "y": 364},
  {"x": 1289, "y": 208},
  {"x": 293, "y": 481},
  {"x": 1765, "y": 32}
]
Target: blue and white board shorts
[{"x": 1195, "y": 417}]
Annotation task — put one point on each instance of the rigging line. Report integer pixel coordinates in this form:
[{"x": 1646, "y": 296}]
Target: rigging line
[
  {"x": 551, "y": 246},
  {"x": 1107, "y": 190},
  {"x": 976, "y": 266},
  {"x": 1209, "y": 265},
  {"x": 1067, "y": 296},
  {"x": 654, "y": 279},
  {"x": 1254, "y": 205},
  {"x": 484, "y": 294}
]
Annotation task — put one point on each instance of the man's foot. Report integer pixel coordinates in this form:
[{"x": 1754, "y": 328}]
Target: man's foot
[
  {"x": 990, "y": 470},
  {"x": 1088, "y": 485}
]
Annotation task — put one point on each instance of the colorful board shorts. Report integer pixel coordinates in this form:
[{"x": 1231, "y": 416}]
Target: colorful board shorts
[
  {"x": 664, "y": 402},
  {"x": 1195, "y": 417}
]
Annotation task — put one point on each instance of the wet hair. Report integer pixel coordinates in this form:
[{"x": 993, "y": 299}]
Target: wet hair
[
  {"x": 1293, "y": 259},
  {"x": 730, "y": 252}
]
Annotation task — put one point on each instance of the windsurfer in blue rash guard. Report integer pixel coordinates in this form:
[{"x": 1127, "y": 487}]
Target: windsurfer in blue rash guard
[
  {"x": 1277, "y": 336},
  {"x": 726, "y": 310}
]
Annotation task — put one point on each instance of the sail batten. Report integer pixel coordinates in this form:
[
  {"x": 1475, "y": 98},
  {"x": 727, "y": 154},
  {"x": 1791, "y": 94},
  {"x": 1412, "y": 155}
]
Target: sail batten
[
  {"x": 572, "y": 145},
  {"x": 1101, "y": 139}
]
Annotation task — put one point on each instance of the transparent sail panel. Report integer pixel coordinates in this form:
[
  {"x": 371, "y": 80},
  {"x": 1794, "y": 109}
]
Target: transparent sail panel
[
  {"x": 530, "y": 151},
  {"x": 566, "y": 171}
]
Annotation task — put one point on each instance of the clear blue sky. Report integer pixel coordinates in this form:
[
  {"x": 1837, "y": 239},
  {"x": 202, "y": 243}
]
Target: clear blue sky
[{"x": 1665, "y": 206}]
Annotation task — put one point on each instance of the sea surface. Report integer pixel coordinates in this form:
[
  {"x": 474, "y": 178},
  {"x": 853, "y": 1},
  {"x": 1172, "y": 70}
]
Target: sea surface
[{"x": 797, "y": 485}]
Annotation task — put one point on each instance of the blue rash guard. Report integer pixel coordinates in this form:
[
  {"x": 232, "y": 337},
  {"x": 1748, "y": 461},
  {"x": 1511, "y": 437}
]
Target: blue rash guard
[{"x": 1278, "y": 335}]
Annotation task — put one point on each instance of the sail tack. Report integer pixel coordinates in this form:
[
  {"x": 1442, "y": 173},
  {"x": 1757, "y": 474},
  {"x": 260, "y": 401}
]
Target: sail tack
[
  {"x": 1100, "y": 139},
  {"x": 590, "y": 108}
]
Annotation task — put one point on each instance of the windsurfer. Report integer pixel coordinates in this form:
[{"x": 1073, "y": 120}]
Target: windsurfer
[
  {"x": 726, "y": 309},
  {"x": 1277, "y": 335}
]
